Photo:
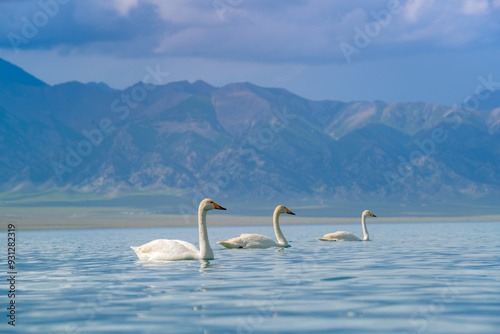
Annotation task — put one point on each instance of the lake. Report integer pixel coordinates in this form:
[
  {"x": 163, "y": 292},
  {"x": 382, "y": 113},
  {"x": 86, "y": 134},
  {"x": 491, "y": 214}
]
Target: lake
[{"x": 411, "y": 278}]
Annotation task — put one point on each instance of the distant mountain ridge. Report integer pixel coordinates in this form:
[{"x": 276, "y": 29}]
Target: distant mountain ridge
[
  {"x": 15, "y": 75},
  {"x": 241, "y": 140}
]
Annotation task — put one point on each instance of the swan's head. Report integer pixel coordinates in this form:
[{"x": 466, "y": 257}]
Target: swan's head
[
  {"x": 367, "y": 213},
  {"x": 210, "y": 204},
  {"x": 283, "y": 209}
]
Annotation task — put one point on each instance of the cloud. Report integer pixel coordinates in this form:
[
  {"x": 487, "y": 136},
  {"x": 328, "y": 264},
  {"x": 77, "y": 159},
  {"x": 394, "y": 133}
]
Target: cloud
[
  {"x": 186, "y": 12},
  {"x": 414, "y": 9},
  {"x": 121, "y": 28},
  {"x": 475, "y": 7},
  {"x": 124, "y": 6},
  {"x": 298, "y": 31}
]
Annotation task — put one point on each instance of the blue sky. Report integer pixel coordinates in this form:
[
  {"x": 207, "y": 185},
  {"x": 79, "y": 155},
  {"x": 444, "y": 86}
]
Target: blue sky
[{"x": 396, "y": 51}]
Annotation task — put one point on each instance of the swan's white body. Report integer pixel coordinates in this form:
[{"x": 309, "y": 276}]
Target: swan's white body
[
  {"x": 348, "y": 236},
  {"x": 258, "y": 240},
  {"x": 173, "y": 250},
  {"x": 247, "y": 240}
]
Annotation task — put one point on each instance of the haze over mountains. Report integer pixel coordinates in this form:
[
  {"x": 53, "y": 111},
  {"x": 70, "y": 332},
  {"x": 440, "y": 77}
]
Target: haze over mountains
[{"x": 243, "y": 141}]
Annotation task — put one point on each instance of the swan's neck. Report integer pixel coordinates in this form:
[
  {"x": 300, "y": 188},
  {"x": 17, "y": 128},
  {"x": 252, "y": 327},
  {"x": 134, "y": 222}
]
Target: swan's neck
[
  {"x": 277, "y": 230},
  {"x": 365, "y": 231},
  {"x": 205, "y": 249}
]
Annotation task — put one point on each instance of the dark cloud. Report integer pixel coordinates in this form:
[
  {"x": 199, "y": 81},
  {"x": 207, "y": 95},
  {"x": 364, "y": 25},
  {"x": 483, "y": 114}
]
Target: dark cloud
[{"x": 80, "y": 26}]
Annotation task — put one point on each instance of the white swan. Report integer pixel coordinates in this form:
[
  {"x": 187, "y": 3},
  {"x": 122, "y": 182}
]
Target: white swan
[
  {"x": 347, "y": 236},
  {"x": 172, "y": 250},
  {"x": 258, "y": 240}
]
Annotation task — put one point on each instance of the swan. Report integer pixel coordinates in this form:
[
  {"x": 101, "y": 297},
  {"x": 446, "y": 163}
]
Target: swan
[
  {"x": 172, "y": 250},
  {"x": 258, "y": 240},
  {"x": 347, "y": 236}
]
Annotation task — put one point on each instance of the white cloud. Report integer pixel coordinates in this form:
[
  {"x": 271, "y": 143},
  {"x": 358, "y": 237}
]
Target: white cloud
[
  {"x": 475, "y": 7},
  {"x": 124, "y": 6},
  {"x": 414, "y": 9},
  {"x": 186, "y": 11}
]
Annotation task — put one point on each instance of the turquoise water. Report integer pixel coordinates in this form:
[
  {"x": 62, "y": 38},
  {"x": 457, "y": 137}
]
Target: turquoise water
[{"x": 411, "y": 278}]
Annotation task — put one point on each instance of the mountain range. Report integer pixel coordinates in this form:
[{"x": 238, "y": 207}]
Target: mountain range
[{"x": 242, "y": 140}]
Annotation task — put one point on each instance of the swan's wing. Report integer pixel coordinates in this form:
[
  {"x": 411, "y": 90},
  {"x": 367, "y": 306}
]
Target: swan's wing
[
  {"x": 232, "y": 243},
  {"x": 340, "y": 236},
  {"x": 249, "y": 241},
  {"x": 258, "y": 241},
  {"x": 167, "y": 250}
]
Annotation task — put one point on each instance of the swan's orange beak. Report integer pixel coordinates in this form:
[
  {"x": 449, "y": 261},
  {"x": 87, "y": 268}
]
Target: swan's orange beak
[
  {"x": 218, "y": 207},
  {"x": 371, "y": 214},
  {"x": 289, "y": 212}
]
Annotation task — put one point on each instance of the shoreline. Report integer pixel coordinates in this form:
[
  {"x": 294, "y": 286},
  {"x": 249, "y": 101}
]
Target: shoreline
[
  {"x": 57, "y": 210},
  {"x": 60, "y": 222}
]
